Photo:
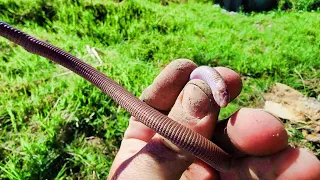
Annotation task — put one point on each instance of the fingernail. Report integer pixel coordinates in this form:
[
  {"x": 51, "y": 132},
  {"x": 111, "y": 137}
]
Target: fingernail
[{"x": 195, "y": 101}]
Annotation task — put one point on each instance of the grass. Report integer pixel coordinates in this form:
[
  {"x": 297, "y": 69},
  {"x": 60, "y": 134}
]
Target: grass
[{"x": 54, "y": 124}]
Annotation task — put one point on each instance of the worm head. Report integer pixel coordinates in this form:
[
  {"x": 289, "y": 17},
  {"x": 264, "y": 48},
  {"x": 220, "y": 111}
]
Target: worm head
[{"x": 223, "y": 98}]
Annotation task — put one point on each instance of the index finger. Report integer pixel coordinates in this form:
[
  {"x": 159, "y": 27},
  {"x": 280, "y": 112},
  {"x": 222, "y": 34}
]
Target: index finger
[
  {"x": 161, "y": 95},
  {"x": 166, "y": 87}
]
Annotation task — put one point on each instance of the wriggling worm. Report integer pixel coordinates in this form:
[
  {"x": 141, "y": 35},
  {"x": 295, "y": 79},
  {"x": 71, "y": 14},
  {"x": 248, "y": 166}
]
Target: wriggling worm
[{"x": 181, "y": 136}]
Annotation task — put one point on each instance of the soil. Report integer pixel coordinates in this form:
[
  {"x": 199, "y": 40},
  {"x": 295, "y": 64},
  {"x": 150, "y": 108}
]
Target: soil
[{"x": 289, "y": 104}]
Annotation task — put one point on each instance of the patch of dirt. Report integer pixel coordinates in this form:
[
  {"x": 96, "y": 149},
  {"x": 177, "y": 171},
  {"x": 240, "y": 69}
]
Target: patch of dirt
[
  {"x": 96, "y": 142},
  {"x": 289, "y": 104}
]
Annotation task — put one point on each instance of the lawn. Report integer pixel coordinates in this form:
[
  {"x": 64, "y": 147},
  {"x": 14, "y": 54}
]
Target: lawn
[{"x": 54, "y": 124}]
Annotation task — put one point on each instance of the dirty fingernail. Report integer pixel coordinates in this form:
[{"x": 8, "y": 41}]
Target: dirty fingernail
[
  {"x": 196, "y": 99},
  {"x": 168, "y": 84}
]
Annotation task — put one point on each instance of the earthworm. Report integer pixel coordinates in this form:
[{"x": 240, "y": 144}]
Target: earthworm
[{"x": 181, "y": 136}]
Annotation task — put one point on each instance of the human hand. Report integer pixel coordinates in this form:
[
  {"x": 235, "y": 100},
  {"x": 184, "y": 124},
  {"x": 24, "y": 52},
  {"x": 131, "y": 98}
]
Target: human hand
[{"x": 255, "y": 137}]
